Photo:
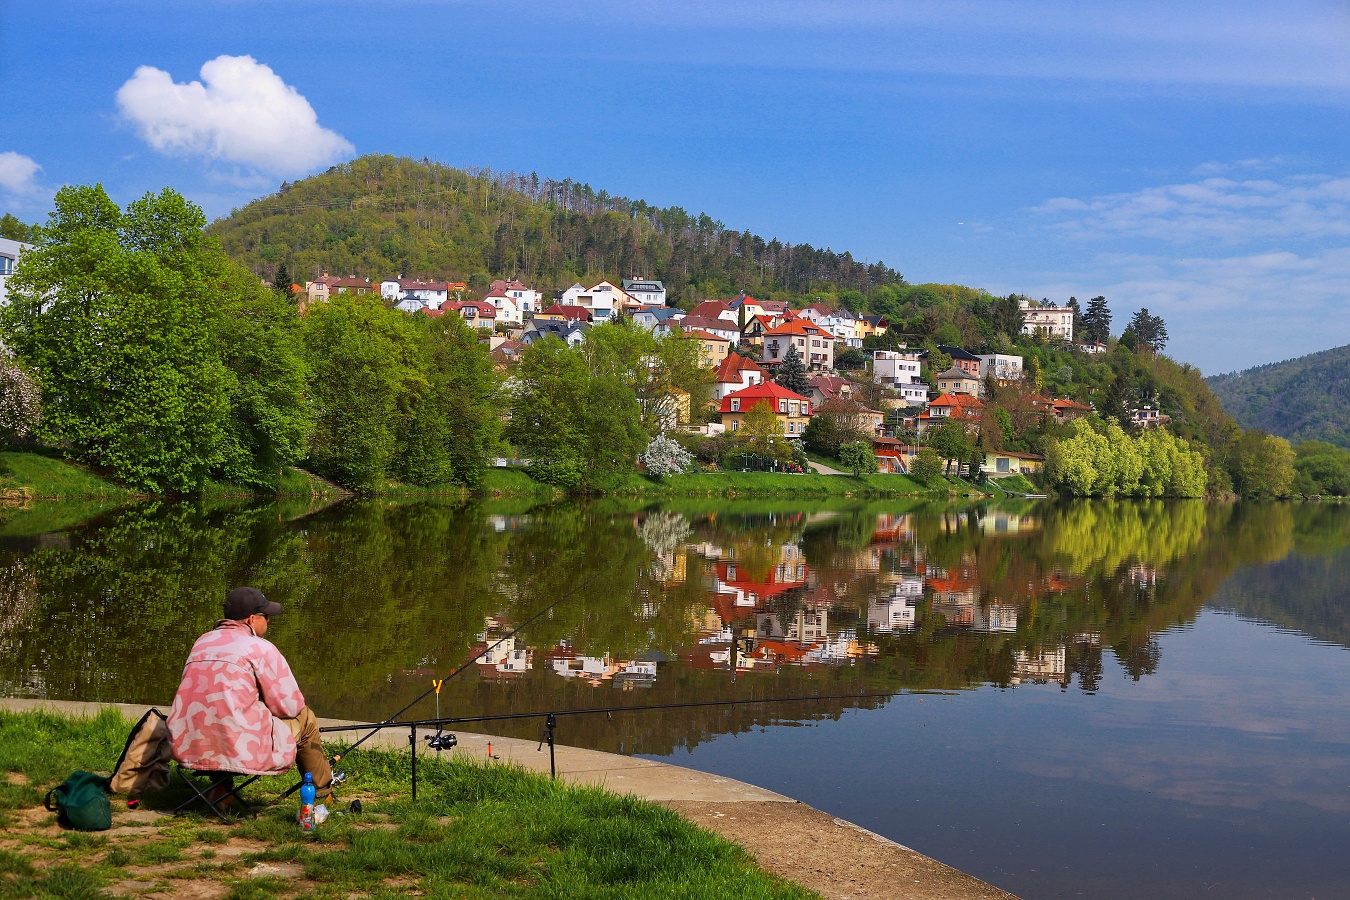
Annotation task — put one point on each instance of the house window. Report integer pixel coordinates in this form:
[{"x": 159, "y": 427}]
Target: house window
[
  {"x": 782, "y": 407},
  {"x": 735, "y": 406},
  {"x": 6, "y": 266},
  {"x": 735, "y": 424}
]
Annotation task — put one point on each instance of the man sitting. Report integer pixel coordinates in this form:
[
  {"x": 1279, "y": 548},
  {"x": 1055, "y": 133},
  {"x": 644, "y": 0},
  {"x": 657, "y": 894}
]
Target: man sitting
[{"x": 238, "y": 709}]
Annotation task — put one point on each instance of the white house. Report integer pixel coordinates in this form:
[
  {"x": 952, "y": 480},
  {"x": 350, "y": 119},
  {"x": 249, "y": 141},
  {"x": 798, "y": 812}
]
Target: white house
[
  {"x": 1003, "y": 367},
  {"x": 569, "y": 296},
  {"x": 899, "y": 370},
  {"x": 432, "y": 294},
  {"x": 645, "y": 291},
  {"x": 1054, "y": 321},
  {"x": 657, "y": 319},
  {"x": 9, "y": 256},
  {"x": 509, "y": 311},
  {"x": 844, "y": 326},
  {"x": 526, "y": 299},
  {"x": 736, "y": 373}
]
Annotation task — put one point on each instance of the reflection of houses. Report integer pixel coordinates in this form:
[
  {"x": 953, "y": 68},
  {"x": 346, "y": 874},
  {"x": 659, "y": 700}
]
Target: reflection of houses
[
  {"x": 501, "y": 657},
  {"x": 956, "y": 597},
  {"x": 998, "y": 521},
  {"x": 636, "y": 674},
  {"x": 1040, "y": 666},
  {"x": 896, "y": 612}
]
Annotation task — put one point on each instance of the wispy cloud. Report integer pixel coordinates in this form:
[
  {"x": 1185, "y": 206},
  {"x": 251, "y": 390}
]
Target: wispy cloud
[
  {"x": 1212, "y": 209},
  {"x": 1237, "y": 43},
  {"x": 241, "y": 113}
]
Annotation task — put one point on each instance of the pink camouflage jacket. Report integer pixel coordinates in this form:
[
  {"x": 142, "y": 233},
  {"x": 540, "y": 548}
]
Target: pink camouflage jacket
[{"x": 227, "y": 715}]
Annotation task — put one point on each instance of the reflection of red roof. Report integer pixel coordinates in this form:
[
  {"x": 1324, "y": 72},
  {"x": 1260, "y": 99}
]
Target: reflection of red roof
[
  {"x": 761, "y": 589},
  {"x": 788, "y": 652}
]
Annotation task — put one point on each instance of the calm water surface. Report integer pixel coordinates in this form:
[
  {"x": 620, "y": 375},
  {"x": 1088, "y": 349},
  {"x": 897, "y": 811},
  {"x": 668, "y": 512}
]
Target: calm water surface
[{"x": 1087, "y": 699}]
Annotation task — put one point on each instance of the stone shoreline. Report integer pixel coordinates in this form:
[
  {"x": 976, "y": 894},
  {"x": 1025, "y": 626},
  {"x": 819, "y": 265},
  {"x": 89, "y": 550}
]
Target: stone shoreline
[{"x": 835, "y": 858}]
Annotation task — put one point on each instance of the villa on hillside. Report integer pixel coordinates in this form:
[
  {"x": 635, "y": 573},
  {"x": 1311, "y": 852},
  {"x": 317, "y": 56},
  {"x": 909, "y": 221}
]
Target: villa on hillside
[{"x": 735, "y": 373}]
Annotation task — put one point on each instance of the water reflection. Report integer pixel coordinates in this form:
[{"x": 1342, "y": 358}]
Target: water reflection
[{"x": 686, "y": 602}]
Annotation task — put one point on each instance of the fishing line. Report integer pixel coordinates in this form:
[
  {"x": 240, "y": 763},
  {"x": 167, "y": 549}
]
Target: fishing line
[{"x": 436, "y": 685}]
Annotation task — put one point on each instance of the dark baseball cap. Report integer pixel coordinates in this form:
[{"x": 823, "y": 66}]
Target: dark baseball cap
[{"x": 243, "y": 602}]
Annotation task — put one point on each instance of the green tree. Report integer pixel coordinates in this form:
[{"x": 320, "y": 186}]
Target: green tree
[
  {"x": 858, "y": 457},
  {"x": 951, "y": 442},
  {"x": 927, "y": 463},
  {"x": 792, "y": 372},
  {"x": 1262, "y": 466},
  {"x": 1035, "y": 375},
  {"x": 547, "y": 422},
  {"x": 17, "y": 230},
  {"x": 1096, "y": 321},
  {"x": 1150, "y": 332},
  {"x": 762, "y": 433},
  {"x": 281, "y": 282},
  {"x": 1007, "y": 316},
  {"x": 1321, "y": 469},
  {"x": 367, "y": 383},
  {"x": 116, "y": 312}
]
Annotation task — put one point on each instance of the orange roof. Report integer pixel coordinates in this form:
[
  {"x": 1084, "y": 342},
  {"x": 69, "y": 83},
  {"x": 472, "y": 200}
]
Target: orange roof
[
  {"x": 728, "y": 369},
  {"x": 957, "y": 400},
  {"x": 1069, "y": 404},
  {"x": 578, "y": 313},
  {"x": 768, "y": 391},
  {"x": 795, "y": 326},
  {"x": 710, "y": 308},
  {"x": 704, "y": 336}
]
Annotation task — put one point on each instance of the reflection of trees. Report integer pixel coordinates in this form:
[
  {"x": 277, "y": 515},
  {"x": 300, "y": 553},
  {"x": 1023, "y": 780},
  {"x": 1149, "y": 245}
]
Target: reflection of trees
[{"x": 382, "y": 596}]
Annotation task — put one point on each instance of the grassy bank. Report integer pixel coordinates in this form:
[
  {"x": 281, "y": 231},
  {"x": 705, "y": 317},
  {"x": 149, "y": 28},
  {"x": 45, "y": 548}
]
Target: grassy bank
[
  {"x": 35, "y": 476},
  {"x": 477, "y": 830}
]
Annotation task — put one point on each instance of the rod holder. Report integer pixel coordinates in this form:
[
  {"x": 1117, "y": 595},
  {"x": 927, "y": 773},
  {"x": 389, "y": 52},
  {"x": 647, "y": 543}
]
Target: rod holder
[{"x": 412, "y": 742}]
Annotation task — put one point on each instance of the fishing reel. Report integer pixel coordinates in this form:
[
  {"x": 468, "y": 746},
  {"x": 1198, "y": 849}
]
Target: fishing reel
[{"x": 441, "y": 740}]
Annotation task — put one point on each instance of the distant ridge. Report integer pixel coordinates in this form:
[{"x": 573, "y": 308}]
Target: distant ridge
[
  {"x": 385, "y": 216},
  {"x": 1303, "y": 399}
]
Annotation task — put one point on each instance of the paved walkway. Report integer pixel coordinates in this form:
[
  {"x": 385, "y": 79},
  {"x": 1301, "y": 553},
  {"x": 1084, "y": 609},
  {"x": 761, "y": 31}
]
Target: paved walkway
[
  {"x": 838, "y": 859},
  {"x": 824, "y": 469}
]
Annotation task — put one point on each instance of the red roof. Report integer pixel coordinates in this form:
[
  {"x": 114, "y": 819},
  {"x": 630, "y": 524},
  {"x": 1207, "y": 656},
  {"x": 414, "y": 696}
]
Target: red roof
[
  {"x": 829, "y": 385},
  {"x": 484, "y": 308},
  {"x": 705, "y": 336},
  {"x": 729, "y": 369},
  {"x": 691, "y": 321},
  {"x": 570, "y": 313},
  {"x": 412, "y": 284},
  {"x": 768, "y": 391},
  {"x": 957, "y": 400},
  {"x": 794, "y": 326},
  {"x": 710, "y": 308},
  {"x": 1070, "y": 404}
]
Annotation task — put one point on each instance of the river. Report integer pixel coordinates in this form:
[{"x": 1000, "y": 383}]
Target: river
[{"x": 1097, "y": 699}]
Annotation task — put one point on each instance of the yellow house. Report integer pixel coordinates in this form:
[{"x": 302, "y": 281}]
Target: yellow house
[
  {"x": 713, "y": 348},
  {"x": 792, "y": 409},
  {"x": 1008, "y": 462}
]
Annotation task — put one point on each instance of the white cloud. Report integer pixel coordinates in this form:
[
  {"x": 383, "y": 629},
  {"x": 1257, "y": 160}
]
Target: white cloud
[
  {"x": 17, "y": 174},
  {"x": 241, "y": 112},
  {"x": 1212, "y": 209}
]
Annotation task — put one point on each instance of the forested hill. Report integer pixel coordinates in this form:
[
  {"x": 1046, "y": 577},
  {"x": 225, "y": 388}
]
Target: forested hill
[
  {"x": 382, "y": 216},
  {"x": 1302, "y": 399}
]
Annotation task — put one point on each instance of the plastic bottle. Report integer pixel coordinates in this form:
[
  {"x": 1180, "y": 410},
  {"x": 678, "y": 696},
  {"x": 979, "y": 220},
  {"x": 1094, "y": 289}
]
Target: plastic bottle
[{"x": 307, "y": 795}]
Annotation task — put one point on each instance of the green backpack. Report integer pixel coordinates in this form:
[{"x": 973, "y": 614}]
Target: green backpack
[{"x": 81, "y": 802}]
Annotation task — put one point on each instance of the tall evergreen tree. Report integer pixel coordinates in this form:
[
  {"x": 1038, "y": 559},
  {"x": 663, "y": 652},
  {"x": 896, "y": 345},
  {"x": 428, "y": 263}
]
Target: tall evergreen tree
[
  {"x": 281, "y": 282},
  {"x": 792, "y": 373},
  {"x": 1096, "y": 322}
]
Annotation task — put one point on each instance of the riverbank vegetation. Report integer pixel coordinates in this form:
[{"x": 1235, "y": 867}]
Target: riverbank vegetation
[{"x": 477, "y": 829}]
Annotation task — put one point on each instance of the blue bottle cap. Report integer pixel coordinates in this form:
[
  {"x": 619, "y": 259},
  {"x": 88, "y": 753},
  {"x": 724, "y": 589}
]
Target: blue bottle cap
[{"x": 309, "y": 779}]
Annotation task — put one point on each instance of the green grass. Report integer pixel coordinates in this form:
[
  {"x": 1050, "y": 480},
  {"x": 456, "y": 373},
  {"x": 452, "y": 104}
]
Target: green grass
[
  {"x": 42, "y": 477},
  {"x": 773, "y": 484},
  {"x": 1018, "y": 484},
  {"x": 478, "y": 830}
]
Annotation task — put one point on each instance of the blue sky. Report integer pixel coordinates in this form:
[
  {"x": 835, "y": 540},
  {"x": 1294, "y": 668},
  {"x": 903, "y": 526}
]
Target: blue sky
[{"x": 1190, "y": 158}]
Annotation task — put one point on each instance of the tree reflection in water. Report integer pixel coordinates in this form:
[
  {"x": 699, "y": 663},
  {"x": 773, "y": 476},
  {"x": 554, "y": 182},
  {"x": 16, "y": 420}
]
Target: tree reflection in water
[{"x": 689, "y": 601}]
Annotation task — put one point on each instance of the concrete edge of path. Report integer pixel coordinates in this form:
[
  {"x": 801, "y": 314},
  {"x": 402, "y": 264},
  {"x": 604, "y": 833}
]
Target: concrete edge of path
[{"x": 836, "y": 858}]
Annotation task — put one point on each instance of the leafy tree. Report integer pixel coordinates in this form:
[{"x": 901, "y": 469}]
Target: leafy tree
[
  {"x": 547, "y": 422},
  {"x": 1035, "y": 374},
  {"x": 1262, "y": 466},
  {"x": 1321, "y": 469},
  {"x": 17, "y": 230},
  {"x": 1150, "y": 333},
  {"x": 951, "y": 442},
  {"x": 267, "y": 382},
  {"x": 116, "y": 312},
  {"x": 850, "y": 358},
  {"x": 762, "y": 433},
  {"x": 792, "y": 372},
  {"x": 858, "y": 457},
  {"x": 927, "y": 463},
  {"x": 1096, "y": 322},
  {"x": 835, "y": 423},
  {"x": 367, "y": 385}
]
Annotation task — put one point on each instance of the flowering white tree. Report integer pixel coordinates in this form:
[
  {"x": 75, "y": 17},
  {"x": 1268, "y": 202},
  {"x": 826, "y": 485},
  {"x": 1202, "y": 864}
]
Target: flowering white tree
[
  {"x": 20, "y": 399},
  {"x": 665, "y": 456}
]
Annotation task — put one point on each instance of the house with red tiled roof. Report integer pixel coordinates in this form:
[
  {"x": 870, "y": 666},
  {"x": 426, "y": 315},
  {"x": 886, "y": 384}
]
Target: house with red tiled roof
[
  {"x": 1068, "y": 410},
  {"x": 814, "y": 344},
  {"x": 825, "y": 388},
  {"x": 560, "y": 313},
  {"x": 792, "y": 409},
  {"x": 719, "y": 327},
  {"x": 735, "y": 373},
  {"x": 716, "y": 309},
  {"x": 477, "y": 313},
  {"x": 963, "y": 408}
]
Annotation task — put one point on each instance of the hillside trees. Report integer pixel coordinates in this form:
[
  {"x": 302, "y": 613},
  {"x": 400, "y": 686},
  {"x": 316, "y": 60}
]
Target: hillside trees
[
  {"x": 1150, "y": 332},
  {"x": 1098, "y": 459}
]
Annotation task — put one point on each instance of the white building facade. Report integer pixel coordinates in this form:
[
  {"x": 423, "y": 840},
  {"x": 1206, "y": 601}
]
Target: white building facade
[
  {"x": 9, "y": 257},
  {"x": 899, "y": 370}
]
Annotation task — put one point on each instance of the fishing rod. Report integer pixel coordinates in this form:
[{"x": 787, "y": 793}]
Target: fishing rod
[
  {"x": 551, "y": 721},
  {"x": 436, "y": 684}
]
